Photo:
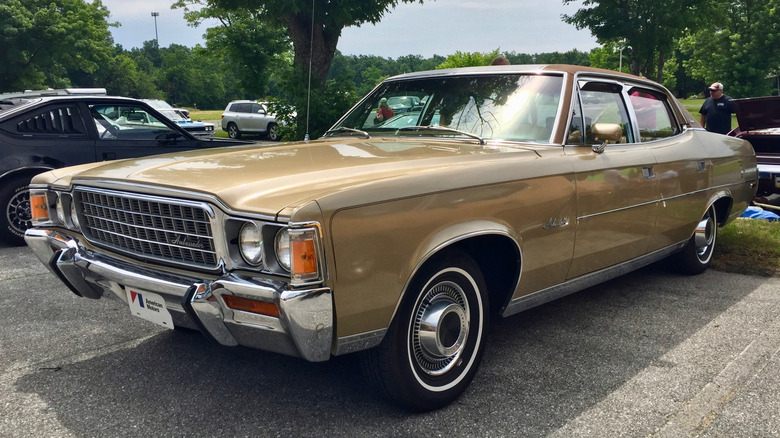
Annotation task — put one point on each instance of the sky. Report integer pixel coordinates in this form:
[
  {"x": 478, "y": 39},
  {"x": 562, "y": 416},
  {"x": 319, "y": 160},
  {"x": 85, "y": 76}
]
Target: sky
[{"x": 437, "y": 27}]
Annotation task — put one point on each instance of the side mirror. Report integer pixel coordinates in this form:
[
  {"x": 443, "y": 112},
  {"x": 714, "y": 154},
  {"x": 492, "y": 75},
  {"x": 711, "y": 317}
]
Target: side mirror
[{"x": 607, "y": 132}]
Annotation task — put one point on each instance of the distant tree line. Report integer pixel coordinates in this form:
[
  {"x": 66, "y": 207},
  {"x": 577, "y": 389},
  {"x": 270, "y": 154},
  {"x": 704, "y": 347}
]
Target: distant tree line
[{"x": 258, "y": 51}]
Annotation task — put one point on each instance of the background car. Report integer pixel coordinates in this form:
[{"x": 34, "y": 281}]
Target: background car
[
  {"x": 49, "y": 129},
  {"x": 759, "y": 123},
  {"x": 249, "y": 117},
  {"x": 160, "y": 104},
  {"x": 196, "y": 128}
]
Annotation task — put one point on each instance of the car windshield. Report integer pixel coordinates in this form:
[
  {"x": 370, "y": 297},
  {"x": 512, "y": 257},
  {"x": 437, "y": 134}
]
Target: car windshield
[
  {"x": 515, "y": 107},
  {"x": 172, "y": 115}
]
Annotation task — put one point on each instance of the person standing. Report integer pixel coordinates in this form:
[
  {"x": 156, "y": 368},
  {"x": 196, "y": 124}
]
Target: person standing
[{"x": 717, "y": 110}]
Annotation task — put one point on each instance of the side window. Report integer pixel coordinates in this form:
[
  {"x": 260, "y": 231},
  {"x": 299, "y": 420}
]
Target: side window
[
  {"x": 59, "y": 121},
  {"x": 652, "y": 115},
  {"x": 124, "y": 122},
  {"x": 256, "y": 108},
  {"x": 244, "y": 107},
  {"x": 604, "y": 114}
]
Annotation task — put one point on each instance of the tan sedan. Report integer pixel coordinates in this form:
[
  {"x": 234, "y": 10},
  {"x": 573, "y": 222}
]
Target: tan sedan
[{"x": 505, "y": 188}]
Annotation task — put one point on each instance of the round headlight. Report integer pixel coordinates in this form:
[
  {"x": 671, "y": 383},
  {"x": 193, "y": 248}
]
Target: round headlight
[
  {"x": 250, "y": 241},
  {"x": 283, "y": 250},
  {"x": 74, "y": 218}
]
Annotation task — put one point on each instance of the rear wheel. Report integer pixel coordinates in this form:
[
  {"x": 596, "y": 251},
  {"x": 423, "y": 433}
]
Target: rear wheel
[
  {"x": 232, "y": 130},
  {"x": 696, "y": 256},
  {"x": 16, "y": 216},
  {"x": 272, "y": 133},
  {"x": 434, "y": 346}
]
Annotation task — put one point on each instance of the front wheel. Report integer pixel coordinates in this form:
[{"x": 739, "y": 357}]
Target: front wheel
[
  {"x": 696, "y": 256},
  {"x": 434, "y": 346},
  {"x": 16, "y": 216}
]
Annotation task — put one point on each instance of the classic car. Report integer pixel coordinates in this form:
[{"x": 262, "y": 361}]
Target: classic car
[
  {"x": 49, "y": 129},
  {"x": 196, "y": 128},
  {"x": 759, "y": 123},
  {"x": 160, "y": 104},
  {"x": 403, "y": 243}
]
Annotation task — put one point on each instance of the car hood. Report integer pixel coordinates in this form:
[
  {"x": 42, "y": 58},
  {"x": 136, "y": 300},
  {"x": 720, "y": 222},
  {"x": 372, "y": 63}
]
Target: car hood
[
  {"x": 757, "y": 113},
  {"x": 269, "y": 179}
]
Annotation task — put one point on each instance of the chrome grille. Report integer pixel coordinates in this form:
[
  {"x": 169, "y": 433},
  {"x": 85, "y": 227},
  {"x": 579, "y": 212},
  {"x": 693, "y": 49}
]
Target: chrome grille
[{"x": 148, "y": 227}]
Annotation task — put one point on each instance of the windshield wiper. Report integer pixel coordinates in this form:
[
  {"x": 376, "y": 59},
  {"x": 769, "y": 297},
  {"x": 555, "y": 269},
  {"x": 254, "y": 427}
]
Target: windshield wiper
[
  {"x": 344, "y": 129},
  {"x": 443, "y": 129}
]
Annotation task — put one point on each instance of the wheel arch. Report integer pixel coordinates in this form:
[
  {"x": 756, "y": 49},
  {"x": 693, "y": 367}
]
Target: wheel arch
[
  {"x": 723, "y": 205},
  {"x": 495, "y": 251},
  {"x": 29, "y": 171}
]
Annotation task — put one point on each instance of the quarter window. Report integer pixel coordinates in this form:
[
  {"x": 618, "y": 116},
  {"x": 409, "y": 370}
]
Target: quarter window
[{"x": 58, "y": 121}]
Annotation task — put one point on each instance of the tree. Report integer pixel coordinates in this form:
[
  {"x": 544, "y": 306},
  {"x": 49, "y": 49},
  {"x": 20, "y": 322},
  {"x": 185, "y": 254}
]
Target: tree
[
  {"x": 41, "y": 40},
  {"x": 465, "y": 59},
  {"x": 326, "y": 18},
  {"x": 314, "y": 26},
  {"x": 741, "y": 51},
  {"x": 251, "y": 45},
  {"x": 650, "y": 28}
]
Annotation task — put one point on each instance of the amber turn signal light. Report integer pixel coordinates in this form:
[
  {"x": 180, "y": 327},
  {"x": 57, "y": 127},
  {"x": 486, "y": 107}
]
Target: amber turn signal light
[
  {"x": 247, "y": 305},
  {"x": 38, "y": 206},
  {"x": 304, "y": 257}
]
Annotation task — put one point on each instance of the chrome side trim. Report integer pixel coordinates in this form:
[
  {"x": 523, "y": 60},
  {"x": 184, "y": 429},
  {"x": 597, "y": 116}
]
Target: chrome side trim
[
  {"x": 663, "y": 199},
  {"x": 360, "y": 341},
  {"x": 577, "y": 284}
]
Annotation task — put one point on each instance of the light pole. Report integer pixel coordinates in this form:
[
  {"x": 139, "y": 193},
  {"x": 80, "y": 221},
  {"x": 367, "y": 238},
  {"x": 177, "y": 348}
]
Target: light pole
[{"x": 156, "y": 40}]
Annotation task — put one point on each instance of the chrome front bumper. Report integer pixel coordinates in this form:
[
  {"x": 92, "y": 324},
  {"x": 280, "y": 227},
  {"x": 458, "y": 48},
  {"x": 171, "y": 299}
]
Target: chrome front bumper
[{"x": 304, "y": 327}]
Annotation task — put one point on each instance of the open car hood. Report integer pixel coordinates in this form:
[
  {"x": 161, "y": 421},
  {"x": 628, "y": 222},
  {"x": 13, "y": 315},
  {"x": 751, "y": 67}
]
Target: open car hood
[{"x": 757, "y": 113}]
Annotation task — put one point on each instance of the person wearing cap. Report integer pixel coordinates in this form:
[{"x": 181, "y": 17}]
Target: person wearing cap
[{"x": 717, "y": 110}]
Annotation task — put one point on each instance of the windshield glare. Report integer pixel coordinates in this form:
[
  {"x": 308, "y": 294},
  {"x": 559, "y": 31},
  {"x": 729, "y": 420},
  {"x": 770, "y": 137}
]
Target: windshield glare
[{"x": 517, "y": 107}]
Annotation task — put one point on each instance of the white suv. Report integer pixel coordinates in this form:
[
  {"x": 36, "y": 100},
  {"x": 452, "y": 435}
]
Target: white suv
[{"x": 249, "y": 117}]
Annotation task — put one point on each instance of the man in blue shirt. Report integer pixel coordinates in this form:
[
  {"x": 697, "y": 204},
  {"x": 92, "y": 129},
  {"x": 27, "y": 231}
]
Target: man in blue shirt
[{"x": 717, "y": 110}]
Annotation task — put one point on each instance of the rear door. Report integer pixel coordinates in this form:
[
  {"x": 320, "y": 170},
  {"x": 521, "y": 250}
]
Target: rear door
[{"x": 681, "y": 169}]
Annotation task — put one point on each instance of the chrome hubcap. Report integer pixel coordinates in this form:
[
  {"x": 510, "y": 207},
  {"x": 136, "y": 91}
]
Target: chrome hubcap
[
  {"x": 440, "y": 328},
  {"x": 705, "y": 236}
]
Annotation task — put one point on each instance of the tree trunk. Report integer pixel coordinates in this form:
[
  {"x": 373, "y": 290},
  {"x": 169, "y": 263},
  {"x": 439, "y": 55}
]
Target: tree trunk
[
  {"x": 661, "y": 61},
  {"x": 320, "y": 50}
]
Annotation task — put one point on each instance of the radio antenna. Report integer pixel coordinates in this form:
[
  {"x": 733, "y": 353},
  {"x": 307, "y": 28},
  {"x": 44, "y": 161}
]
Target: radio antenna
[{"x": 311, "y": 53}]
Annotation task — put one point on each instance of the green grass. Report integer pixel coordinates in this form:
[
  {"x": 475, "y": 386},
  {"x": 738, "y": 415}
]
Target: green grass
[
  {"x": 693, "y": 105},
  {"x": 205, "y": 115},
  {"x": 749, "y": 246}
]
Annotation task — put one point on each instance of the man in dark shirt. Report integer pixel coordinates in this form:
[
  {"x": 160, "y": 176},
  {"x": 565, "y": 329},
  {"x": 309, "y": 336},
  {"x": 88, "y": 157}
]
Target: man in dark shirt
[{"x": 716, "y": 110}]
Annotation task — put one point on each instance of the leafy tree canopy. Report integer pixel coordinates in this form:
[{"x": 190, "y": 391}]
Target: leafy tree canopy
[
  {"x": 648, "y": 27},
  {"x": 41, "y": 40},
  {"x": 742, "y": 50}
]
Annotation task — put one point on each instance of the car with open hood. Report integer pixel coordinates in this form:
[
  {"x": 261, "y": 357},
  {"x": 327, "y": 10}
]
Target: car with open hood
[
  {"x": 509, "y": 187},
  {"x": 759, "y": 123}
]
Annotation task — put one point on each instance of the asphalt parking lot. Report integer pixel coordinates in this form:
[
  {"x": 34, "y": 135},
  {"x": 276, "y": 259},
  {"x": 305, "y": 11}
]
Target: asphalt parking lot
[{"x": 651, "y": 354}]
